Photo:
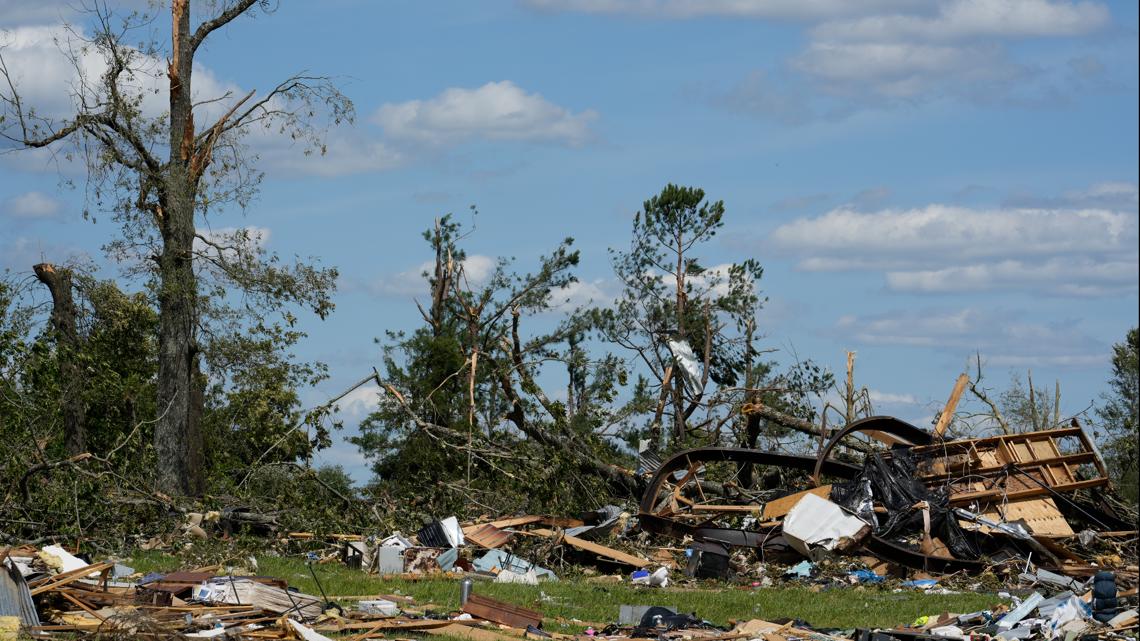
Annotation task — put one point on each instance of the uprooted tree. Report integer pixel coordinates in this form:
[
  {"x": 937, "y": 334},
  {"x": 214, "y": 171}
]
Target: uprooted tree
[{"x": 159, "y": 171}]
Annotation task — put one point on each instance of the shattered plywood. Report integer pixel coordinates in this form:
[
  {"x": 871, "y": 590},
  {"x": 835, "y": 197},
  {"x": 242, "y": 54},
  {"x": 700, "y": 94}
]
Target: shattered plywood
[{"x": 1040, "y": 515}]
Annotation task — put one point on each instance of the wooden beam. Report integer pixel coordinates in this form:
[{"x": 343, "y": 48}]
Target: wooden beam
[
  {"x": 777, "y": 508},
  {"x": 951, "y": 405}
]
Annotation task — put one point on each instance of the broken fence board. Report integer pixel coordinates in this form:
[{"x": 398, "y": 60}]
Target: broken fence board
[{"x": 603, "y": 551}]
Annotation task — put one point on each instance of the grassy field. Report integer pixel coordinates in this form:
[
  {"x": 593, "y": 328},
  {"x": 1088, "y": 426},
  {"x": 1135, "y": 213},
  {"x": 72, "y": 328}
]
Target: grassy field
[{"x": 571, "y": 605}]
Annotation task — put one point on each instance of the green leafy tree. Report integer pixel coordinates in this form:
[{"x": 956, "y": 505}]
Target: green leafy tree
[
  {"x": 671, "y": 298},
  {"x": 161, "y": 174},
  {"x": 1120, "y": 414},
  {"x": 463, "y": 419}
]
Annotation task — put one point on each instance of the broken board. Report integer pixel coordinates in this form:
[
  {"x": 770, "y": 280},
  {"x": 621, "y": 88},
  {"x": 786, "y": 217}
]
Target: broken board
[
  {"x": 777, "y": 508},
  {"x": 1041, "y": 515}
]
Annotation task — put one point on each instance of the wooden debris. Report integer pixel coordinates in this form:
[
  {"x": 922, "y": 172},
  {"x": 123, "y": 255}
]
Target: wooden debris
[{"x": 501, "y": 612}]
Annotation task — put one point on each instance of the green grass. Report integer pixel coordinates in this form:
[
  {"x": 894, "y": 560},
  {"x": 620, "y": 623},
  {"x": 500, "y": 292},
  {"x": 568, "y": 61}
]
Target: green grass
[{"x": 570, "y": 605}]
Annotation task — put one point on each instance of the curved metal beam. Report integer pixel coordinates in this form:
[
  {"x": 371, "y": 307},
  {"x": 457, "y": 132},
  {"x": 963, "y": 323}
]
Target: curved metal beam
[
  {"x": 686, "y": 458},
  {"x": 887, "y": 429}
]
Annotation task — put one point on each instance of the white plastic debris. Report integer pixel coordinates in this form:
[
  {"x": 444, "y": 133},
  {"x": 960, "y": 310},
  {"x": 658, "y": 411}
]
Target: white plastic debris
[
  {"x": 382, "y": 607},
  {"x": 454, "y": 533},
  {"x": 815, "y": 522},
  {"x": 1070, "y": 615},
  {"x": 61, "y": 560},
  {"x": 397, "y": 541},
  {"x": 307, "y": 633},
  {"x": 690, "y": 365},
  {"x": 659, "y": 578},
  {"x": 526, "y": 578}
]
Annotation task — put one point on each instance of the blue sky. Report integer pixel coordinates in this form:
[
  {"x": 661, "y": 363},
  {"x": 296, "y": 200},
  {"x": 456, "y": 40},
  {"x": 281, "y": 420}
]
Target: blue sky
[{"x": 921, "y": 180}]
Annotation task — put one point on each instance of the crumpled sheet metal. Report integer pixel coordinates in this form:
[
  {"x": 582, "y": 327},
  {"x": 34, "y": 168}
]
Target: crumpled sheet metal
[{"x": 15, "y": 597}]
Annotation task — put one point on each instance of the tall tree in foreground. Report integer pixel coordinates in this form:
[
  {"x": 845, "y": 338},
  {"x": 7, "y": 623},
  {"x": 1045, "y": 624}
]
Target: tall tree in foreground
[
  {"x": 1121, "y": 414},
  {"x": 156, "y": 169}
]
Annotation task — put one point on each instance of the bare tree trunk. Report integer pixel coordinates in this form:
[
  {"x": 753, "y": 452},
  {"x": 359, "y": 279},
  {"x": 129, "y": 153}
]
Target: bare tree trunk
[
  {"x": 177, "y": 434},
  {"x": 58, "y": 282},
  {"x": 679, "y": 381},
  {"x": 1032, "y": 402},
  {"x": 1056, "y": 405},
  {"x": 849, "y": 396},
  {"x": 751, "y": 430},
  {"x": 655, "y": 426}
]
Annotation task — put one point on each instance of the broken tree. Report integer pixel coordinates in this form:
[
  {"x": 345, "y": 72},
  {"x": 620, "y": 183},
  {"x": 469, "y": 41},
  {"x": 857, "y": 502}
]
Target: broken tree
[{"x": 155, "y": 171}]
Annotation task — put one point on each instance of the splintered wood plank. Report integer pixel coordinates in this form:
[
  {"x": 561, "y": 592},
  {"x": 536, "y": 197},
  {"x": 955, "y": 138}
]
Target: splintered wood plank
[
  {"x": 1041, "y": 515},
  {"x": 603, "y": 551},
  {"x": 779, "y": 507},
  {"x": 470, "y": 633},
  {"x": 60, "y": 580},
  {"x": 518, "y": 520},
  {"x": 951, "y": 405}
]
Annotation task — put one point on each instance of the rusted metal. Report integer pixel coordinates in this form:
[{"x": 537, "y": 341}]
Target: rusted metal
[
  {"x": 500, "y": 612},
  {"x": 487, "y": 536}
]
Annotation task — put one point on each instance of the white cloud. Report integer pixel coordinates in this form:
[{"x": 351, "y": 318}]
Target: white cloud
[
  {"x": 231, "y": 242},
  {"x": 495, "y": 111},
  {"x": 1001, "y": 336},
  {"x": 771, "y": 9},
  {"x": 1106, "y": 195},
  {"x": 943, "y": 248},
  {"x": 359, "y": 403},
  {"x": 48, "y": 81},
  {"x": 413, "y": 282},
  {"x": 39, "y": 59},
  {"x": 961, "y": 19},
  {"x": 1064, "y": 276},
  {"x": 883, "y": 72},
  {"x": 31, "y": 205},
  {"x": 580, "y": 294},
  {"x": 344, "y": 155},
  {"x": 924, "y": 52},
  {"x": 20, "y": 253},
  {"x": 962, "y": 231},
  {"x": 22, "y": 12},
  {"x": 889, "y": 398}
]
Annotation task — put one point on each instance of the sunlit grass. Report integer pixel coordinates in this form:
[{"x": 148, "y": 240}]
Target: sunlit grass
[{"x": 571, "y": 605}]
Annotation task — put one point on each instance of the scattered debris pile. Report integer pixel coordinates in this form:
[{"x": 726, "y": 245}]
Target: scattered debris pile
[
  {"x": 50, "y": 594},
  {"x": 908, "y": 509},
  {"x": 1033, "y": 500}
]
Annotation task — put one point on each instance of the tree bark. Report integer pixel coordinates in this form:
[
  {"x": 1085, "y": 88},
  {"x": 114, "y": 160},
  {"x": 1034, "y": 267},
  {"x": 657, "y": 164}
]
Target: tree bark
[
  {"x": 58, "y": 282},
  {"x": 679, "y": 381},
  {"x": 177, "y": 435}
]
